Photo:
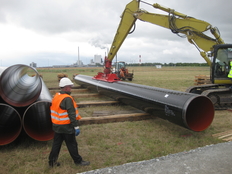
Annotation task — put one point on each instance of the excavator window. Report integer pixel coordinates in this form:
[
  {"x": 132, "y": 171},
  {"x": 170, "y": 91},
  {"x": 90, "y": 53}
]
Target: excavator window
[
  {"x": 120, "y": 65},
  {"x": 222, "y": 62}
]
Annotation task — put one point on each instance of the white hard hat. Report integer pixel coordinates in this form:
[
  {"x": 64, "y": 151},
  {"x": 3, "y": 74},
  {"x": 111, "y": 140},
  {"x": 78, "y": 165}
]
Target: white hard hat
[{"x": 65, "y": 82}]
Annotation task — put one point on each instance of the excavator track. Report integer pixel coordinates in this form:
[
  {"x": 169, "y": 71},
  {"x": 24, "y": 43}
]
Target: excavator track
[{"x": 220, "y": 95}]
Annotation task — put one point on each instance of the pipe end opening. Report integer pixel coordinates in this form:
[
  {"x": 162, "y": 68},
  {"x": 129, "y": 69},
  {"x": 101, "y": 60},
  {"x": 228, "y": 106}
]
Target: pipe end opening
[{"x": 199, "y": 114}]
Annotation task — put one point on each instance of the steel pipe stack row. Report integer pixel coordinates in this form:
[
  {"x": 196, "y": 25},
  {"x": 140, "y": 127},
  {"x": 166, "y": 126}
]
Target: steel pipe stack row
[
  {"x": 191, "y": 111},
  {"x": 24, "y": 104}
]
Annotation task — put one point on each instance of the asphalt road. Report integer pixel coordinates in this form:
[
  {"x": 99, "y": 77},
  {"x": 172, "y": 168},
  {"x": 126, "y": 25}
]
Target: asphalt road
[{"x": 211, "y": 159}]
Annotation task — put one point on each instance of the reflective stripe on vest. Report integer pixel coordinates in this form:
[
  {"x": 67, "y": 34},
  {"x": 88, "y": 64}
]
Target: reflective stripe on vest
[
  {"x": 230, "y": 73},
  {"x": 58, "y": 115}
]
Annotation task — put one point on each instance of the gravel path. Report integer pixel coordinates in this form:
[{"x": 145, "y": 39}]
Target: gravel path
[{"x": 211, "y": 159}]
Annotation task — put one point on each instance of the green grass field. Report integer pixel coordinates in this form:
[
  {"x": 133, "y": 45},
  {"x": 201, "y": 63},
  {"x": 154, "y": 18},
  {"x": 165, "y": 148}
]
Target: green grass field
[{"x": 113, "y": 144}]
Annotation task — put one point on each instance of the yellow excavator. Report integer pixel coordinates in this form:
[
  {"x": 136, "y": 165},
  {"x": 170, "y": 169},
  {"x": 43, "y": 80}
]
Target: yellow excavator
[{"x": 216, "y": 53}]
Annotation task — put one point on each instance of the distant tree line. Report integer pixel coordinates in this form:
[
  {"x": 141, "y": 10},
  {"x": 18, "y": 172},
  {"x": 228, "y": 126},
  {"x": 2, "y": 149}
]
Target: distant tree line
[
  {"x": 168, "y": 64},
  {"x": 162, "y": 64}
]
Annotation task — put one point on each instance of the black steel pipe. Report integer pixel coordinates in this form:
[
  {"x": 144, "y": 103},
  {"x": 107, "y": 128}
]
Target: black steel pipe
[
  {"x": 10, "y": 124},
  {"x": 37, "y": 121},
  {"x": 17, "y": 88},
  {"x": 191, "y": 111},
  {"x": 37, "y": 118}
]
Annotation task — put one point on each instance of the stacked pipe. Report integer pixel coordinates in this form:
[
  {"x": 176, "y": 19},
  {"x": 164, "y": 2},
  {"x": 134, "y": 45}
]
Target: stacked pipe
[
  {"x": 191, "y": 111},
  {"x": 24, "y": 103}
]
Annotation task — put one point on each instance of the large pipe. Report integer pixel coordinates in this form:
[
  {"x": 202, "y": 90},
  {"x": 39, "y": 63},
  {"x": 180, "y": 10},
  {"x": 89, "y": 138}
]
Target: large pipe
[
  {"x": 10, "y": 124},
  {"x": 37, "y": 118},
  {"x": 2, "y": 69},
  {"x": 191, "y": 111},
  {"x": 37, "y": 121},
  {"x": 18, "y": 88}
]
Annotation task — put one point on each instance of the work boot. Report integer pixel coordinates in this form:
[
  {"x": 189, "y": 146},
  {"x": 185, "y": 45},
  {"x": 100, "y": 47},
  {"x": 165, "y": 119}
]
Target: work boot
[
  {"x": 83, "y": 163},
  {"x": 54, "y": 164}
]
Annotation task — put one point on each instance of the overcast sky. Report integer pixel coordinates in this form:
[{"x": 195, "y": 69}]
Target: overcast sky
[{"x": 49, "y": 32}]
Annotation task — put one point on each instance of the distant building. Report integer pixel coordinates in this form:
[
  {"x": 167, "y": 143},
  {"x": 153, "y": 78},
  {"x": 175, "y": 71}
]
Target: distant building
[
  {"x": 96, "y": 60},
  {"x": 33, "y": 64},
  {"x": 158, "y": 66},
  {"x": 78, "y": 63}
]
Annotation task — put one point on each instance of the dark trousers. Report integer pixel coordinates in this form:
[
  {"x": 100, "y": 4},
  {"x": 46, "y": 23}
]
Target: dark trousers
[{"x": 71, "y": 143}]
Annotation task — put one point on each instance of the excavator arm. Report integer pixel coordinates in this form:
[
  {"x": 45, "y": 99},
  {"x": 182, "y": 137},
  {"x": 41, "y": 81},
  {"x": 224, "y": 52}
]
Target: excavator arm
[
  {"x": 126, "y": 23},
  {"x": 177, "y": 22}
]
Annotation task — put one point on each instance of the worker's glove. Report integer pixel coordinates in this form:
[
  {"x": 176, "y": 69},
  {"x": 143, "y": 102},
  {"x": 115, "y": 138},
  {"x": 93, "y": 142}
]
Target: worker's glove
[{"x": 77, "y": 130}]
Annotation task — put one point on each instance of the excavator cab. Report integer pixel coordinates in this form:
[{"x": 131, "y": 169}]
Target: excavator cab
[
  {"x": 122, "y": 72},
  {"x": 221, "y": 64},
  {"x": 119, "y": 65}
]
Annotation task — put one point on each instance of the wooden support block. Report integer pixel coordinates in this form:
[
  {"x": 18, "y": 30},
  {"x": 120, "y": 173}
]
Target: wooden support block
[
  {"x": 57, "y": 88},
  {"x": 225, "y": 136},
  {"x": 227, "y": 139},
  {"x": 85, "y": 95},
  {"x": 222, "y": 133},
  {"x": 115, "y": 118},
  {"x": 83, "y": 104},
  {"x": 61, "y": 75},
  {"x": 53, "y": 91},
  {"x": 202, "y": 79}
]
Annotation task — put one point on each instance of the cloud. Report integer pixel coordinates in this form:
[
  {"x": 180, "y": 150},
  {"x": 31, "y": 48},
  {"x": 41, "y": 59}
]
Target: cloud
[{"x": 31, "y": 29}]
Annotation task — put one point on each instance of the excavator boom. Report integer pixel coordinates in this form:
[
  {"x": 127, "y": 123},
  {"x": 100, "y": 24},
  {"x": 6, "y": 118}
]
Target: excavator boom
[
  {"x": 177, "y": 22},
  {"x": 124, "y": 28}
]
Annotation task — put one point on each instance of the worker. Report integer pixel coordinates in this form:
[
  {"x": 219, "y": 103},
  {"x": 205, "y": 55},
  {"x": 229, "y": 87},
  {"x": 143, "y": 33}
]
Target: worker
[
  {"x": 230, "y": 72},
  {"x": 122, "y": 72},
  {"x": 65, "y": 116}
]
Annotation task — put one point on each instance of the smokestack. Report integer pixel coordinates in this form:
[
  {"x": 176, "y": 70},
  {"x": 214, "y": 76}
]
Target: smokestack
[{"x": 78, "y": 57}]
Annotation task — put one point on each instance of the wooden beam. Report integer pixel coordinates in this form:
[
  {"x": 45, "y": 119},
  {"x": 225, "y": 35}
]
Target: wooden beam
[
  {"x": 226, "y": 135},
  {"x": 53, "y": 91},
  {"x": 116, "y": 118},
  {"x": 57, "y": 88},
  {"x": 84, "y": 104},
  {"x": 222, "y": 133},
  {"x": 85, "y": 95}
]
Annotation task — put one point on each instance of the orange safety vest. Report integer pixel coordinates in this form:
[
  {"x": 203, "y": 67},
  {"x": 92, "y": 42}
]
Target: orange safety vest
[{"x": 58, "y": 115}]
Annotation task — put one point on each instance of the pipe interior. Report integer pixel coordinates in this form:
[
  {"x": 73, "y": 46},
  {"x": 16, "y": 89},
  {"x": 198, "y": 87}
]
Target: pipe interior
[
  {"x": 37, "y": 121},
  {"x": 10, "y": 124},
  {"x": 199, "y": 114},
  {"x": 20, "y": 85}
]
